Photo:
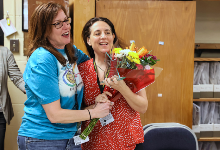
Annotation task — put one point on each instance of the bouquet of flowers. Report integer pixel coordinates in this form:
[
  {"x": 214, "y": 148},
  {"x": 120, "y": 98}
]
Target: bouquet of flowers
[{"x": 132, "y": 65}]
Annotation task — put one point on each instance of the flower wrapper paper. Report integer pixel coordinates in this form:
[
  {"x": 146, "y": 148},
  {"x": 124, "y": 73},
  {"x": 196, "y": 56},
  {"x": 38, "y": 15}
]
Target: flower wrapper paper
[{"x": 135, "y": 79}]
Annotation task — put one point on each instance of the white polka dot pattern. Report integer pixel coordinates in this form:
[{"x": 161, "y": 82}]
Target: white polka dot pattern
[{"x": 124, "y": 133}]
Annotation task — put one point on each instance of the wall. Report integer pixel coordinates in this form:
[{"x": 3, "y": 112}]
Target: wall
[
  {"x": 14, "y": 7},
  {"x": 207, "y": 22}
]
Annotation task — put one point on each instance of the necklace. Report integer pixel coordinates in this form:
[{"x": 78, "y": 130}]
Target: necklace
[{"x": 100, "y": 68}]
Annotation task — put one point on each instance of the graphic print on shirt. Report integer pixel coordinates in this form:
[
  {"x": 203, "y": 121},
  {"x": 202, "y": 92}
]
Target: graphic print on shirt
[
  {"x": 70, "y": 80},
  {"x": 68, "y": 76}
]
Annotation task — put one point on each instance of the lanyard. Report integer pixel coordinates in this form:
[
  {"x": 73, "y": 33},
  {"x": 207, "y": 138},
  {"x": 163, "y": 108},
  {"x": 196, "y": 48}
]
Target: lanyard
[{"x": 106, "y": 75}]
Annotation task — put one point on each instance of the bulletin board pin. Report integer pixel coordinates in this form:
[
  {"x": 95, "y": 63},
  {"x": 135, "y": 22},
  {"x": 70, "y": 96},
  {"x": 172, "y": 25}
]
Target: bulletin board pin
[{"x": 8, "y": 19}]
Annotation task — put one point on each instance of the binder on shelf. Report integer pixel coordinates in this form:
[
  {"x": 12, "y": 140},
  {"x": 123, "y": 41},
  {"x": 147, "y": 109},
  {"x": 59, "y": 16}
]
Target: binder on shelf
[
  {"x": 206, "y": 130},
  {"x": 216, "y": 91},
  {"x": 216, "y": 130},
  {"x": 206, "y": 91},
  {"x": 196, "y": 130},
  {"x": 196, "y": 91}
]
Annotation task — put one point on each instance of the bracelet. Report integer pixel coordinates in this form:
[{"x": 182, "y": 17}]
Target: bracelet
[{"x": 89, "y": 114}]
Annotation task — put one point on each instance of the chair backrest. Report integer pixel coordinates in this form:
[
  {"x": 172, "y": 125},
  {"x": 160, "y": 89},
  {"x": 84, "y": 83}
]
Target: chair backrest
[{"x": 168, "y": 136}]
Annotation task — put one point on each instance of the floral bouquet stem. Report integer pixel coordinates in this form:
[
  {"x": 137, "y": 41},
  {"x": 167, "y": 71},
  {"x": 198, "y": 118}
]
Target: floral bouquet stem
[{"x": 89, "y": 128}]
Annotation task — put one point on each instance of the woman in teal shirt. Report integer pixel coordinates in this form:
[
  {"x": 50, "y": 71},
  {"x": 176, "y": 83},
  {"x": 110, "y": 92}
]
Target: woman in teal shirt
[{"x": 53, "y": 84}]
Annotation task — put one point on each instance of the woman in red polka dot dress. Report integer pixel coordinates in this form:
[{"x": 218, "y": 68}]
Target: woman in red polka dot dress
[{"x": 126, "y": 131}]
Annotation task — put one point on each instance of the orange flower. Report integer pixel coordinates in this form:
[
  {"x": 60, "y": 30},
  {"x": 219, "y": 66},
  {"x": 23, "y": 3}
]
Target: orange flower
[
  {"x": 142, "y": 51},
  {"x": 132, "y": 47}
]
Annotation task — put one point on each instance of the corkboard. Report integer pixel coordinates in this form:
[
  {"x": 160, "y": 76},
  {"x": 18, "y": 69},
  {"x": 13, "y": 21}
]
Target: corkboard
[{"x": 31, "y": 7}]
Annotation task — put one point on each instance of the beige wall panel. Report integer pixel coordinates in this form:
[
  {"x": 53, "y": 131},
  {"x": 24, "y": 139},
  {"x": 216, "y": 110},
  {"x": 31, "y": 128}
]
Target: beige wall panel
[
  {"x": 12, "y": 129},
  {"x": 20, "y": 56},
  {"x": 19, "y": 33},
  {"x": 17, "y": 96},
  {"x": 83, "y": 11},
  {"x": 9, "y": 5},
  {"x": 147, "y": 23},
  {"x": 18, "y": 7}
]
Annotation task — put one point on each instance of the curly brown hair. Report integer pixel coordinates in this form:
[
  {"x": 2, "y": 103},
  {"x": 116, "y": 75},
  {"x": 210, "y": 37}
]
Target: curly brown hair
[{"x": 40, "y": 28}]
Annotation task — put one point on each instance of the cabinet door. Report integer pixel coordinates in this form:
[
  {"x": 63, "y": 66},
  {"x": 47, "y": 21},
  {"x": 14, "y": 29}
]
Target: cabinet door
[{"x": 148, "y": 22}]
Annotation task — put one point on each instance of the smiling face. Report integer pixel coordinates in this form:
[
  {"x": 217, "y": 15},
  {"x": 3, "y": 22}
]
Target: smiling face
[
  {"x": 60, "y": 37},
  {"x": 101, "y": 37}
]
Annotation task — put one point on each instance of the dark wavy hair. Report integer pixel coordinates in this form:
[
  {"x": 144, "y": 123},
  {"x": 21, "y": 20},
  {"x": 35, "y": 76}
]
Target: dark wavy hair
[
  {"x": 40, "y": 28},
  {"x": 86, "y": 33}
]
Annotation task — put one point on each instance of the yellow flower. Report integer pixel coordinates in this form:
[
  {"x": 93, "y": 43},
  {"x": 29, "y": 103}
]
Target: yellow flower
[
  {"x": 137, "y": 61},
  {"x": 129, "y": 58},
  {"x": 134, "y": 55},
  {"x": 117, "y": 50}
]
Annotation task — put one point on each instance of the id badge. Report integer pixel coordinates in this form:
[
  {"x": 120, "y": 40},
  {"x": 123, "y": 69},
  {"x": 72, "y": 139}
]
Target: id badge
[
  {"x": 78, "y": 140},
  {"x": 107, "y": 119}
]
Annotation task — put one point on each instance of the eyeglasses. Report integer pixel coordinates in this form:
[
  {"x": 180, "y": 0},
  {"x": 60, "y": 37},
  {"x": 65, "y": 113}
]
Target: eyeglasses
[{"x": 59, "y": 24}]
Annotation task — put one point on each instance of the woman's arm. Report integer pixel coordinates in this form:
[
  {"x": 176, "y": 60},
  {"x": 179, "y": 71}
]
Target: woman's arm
[
  {"x": 137, "y": 101},
  {"x": 101, "y": 98},
  {"x": 41, "y": 76},
  {"x": 14, "y": 72},
  {"x": 82, "y": 57},
  {"x": 56, "y": 114}
]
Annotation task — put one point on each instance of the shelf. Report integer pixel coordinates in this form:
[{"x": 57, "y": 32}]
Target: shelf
[
  {"x": 207, "y": 46},
  {"x": 207, "y": 100},
  {"x": 209, "y": 139},
  {"x": 206, "y": 59}
]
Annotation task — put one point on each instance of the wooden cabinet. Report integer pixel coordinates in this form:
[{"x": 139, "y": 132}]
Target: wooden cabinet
[{"x": 148, "y": 22}]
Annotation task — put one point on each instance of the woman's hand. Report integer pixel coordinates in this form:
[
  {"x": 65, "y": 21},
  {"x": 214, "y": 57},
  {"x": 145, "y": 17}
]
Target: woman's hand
[
  {"x": 101, "y": 109},
  {"x": 114, "y": 83},
  {"x": 102, "y": 98}
]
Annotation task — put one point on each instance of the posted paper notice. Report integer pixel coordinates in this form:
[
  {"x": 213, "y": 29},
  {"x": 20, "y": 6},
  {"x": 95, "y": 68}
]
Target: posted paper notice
[{"x": 8, "y": 30}]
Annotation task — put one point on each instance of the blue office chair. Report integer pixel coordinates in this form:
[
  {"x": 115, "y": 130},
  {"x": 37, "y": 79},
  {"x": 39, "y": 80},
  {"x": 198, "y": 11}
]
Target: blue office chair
[{"x": 168, "y": 136}]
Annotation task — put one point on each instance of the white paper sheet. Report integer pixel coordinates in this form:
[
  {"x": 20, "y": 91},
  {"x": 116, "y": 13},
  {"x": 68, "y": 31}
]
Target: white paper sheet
[{"x": 8, "y": 30}]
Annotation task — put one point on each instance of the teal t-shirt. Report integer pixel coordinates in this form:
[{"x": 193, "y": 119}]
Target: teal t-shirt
[{"x": 46, "y": 81}]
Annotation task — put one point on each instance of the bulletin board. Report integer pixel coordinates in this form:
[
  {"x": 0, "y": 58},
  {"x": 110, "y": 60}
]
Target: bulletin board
[{"x": 31, "y": 7}]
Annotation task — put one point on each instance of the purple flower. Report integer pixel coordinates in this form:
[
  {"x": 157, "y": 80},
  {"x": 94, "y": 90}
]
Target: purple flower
[{"x": 154, "y": 58}]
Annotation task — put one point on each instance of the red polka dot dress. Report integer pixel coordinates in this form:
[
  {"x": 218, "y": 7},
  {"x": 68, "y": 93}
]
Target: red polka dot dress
[{"x": 124, "y": 132}]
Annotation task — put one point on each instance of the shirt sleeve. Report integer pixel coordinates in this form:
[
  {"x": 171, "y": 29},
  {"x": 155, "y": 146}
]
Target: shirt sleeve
[
  {"x": 14, "y": 72},
  {"x": 42, "y": 79},
  {"x": 82, "y": 57}
]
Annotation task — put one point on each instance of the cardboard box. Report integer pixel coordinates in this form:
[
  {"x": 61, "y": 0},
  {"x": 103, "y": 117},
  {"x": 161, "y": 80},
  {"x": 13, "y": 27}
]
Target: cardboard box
[
  {"x": 196, "y": 91},
  {"x": 216, "y": 91},
  {"x": 206, "y": 130},
  {"x": 206, "y": 91}
]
